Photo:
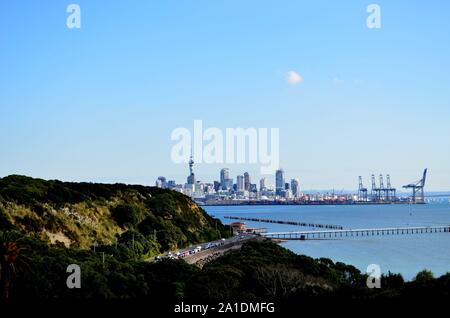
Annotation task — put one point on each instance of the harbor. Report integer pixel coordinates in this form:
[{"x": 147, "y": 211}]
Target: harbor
[
  {"x": 305, "y": 235},
  {"x": 305, "y": 224},
  {"x": 370, "y": 234}
]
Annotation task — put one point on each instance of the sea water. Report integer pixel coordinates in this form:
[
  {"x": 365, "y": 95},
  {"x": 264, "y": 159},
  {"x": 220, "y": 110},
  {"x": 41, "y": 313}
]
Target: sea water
[{"x": 406, "y": 254}]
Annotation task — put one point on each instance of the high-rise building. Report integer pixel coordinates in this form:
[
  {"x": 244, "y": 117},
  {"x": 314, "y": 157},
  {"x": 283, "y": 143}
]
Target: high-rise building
[
  {"x": 161, "y": 182},
  {"x": 247, "y": 182},
  {"x": 189, "y": 189},
  {"x": 171, "y": 184},
  {"x": 287, "y": 186},
  {"x": 228, "y": 184},
  {"x": 295, "y": 188},
  {"x": 216, "y": 186},
  {"x": 240, "y": 183},
  {"x": 262, "y": 184},
  {"x": 224, "y": 177},
  {"x": 279, "y": 181}
]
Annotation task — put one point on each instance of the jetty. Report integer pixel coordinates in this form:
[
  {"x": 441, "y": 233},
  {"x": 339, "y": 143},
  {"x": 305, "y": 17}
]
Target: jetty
[
  {"x": 305, "y": 235},
  {"x": 305, "y": 224}
]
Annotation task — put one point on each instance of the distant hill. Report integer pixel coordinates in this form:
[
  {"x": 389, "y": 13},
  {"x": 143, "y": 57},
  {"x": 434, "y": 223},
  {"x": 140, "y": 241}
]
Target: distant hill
[{"x": 79, "y": 214}]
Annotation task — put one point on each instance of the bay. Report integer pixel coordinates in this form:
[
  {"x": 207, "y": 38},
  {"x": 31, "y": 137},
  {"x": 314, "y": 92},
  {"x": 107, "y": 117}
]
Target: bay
[{"x": 406, "y": 254}]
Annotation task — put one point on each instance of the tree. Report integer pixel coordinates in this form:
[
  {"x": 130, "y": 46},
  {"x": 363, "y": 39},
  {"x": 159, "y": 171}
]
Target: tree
[
  {"x": 5, "y": 222},
  {"x": 127, "y": 215},
  {"x": 424, "y": 276},
  {"x": 9, "y": 253},
  {"x": 392, "y": 280}
]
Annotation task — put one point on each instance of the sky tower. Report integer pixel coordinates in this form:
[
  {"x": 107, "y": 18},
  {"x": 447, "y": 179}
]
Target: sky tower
[{"x": 191, "y": 177}]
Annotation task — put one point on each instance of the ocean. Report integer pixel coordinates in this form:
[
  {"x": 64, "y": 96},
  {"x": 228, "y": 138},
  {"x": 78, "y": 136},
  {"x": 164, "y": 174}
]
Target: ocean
[{"x": 405, "y": 254}]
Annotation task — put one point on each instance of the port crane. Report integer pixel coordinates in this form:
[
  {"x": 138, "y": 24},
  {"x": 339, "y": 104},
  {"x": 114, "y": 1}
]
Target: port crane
[
  {"x": 418, "y": 189},
  {"x": 362, "y": 192},
  {"x": 380, "y": 193},
  {"x": 375, "y": 192},
  {"x": 390, "y": 191},
  {"x": 382, "y": 189}
]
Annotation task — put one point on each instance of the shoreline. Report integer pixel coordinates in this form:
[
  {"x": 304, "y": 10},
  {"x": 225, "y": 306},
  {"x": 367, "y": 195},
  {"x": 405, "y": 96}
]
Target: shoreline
[
  {"x": 274, "y": 203},
  {"x": 362, "y": 250}
]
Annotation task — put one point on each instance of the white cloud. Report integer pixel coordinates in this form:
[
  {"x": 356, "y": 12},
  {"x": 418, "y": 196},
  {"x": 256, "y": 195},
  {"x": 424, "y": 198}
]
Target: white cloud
[
  {"x": 338, "y": 81},
  {"x": 293, "y": 78}
]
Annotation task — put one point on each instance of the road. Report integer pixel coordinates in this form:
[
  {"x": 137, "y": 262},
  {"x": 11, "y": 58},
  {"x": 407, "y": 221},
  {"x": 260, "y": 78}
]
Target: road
[{"x": 198, "y": 252}]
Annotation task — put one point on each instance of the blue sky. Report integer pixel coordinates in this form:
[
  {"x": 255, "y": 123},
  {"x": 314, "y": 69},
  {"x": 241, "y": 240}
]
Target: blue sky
[{"x": 99, "y": 103}]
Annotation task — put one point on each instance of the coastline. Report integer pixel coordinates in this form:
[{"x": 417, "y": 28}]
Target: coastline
[
  {"x": 253, "y": 203},
  {"x": 406, "y": 254}
]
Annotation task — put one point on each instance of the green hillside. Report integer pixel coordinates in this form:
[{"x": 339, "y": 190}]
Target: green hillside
[
  {"x": 78, "y": 214},
  {"x": 45, "y": 226}
]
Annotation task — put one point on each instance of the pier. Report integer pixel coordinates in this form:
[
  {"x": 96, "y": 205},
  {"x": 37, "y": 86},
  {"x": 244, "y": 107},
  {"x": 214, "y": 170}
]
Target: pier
[
  {"x": 325, "y": 226},
  {"x": 305, "y": 235}
]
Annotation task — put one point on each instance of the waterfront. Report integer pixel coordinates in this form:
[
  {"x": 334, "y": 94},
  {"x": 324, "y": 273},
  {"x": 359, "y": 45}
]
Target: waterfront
[{"x": 405, "y": 254}]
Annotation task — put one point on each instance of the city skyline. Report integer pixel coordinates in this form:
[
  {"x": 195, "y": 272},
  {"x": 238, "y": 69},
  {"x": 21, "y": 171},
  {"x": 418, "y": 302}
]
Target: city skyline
[
  {"x": 243, "y": 183},
  {"x": 224, "y": 188},
  {"x": 223, "y": 191},
  {"x": 99, "y": 103}
]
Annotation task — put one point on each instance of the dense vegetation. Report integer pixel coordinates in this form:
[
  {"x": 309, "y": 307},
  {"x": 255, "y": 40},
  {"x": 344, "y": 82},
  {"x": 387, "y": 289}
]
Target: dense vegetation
[
  {"x": 260, "y": 270},
  {"x": 79, "y": 214},
  {"x": 145, "y": 221},
  {"x": 266, "y": 270}
]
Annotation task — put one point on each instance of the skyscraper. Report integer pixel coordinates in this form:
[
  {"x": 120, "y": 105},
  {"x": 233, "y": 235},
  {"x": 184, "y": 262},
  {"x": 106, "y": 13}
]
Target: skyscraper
[
  {"x": 295, "y": 187},
  {"x": 247, "y": 182},
  {"x": 224, "y": 177},
  {"x": 262, "y": 184},
  {"x": 171, "y": 184},
  {"x": 228, "y": 184},
  {"x": 240, "y": 183},
  {"x": 161, "y": 182},
  {"x": 279, "y": 181}
]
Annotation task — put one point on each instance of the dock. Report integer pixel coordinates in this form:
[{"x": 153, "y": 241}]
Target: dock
[
  {"x": 305, "y": 235},
  {"x": 305, "y": 224}
]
